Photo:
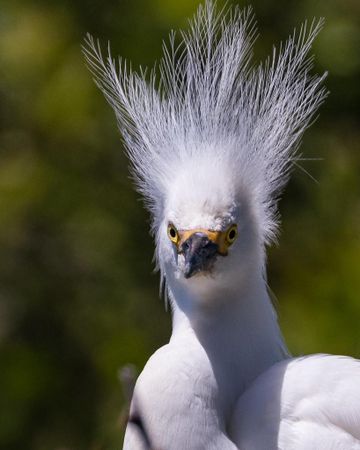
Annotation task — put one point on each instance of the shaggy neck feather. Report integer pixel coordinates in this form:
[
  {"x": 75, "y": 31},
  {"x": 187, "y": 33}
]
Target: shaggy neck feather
[{"x": 237, "y": 330}]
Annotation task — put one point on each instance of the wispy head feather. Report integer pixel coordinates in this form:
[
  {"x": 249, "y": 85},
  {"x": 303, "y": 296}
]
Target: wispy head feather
[{"x": 207, "y": 100}]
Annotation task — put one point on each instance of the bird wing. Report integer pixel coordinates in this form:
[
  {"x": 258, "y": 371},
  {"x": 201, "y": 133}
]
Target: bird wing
[{"x": 308, "y": 403}]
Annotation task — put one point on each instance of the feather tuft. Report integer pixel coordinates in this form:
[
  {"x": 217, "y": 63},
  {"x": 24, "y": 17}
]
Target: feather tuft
[{"x": 207, "y": 100}]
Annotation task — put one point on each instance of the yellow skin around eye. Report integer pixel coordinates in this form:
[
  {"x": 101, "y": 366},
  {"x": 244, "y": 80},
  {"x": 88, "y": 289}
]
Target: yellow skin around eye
[
  {"x": 231, "y": 234},
  {"x": 221, "y": 238},
  {"x": 173, "y": 234}
]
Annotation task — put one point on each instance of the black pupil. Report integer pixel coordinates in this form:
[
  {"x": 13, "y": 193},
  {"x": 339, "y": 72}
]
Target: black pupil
[
  {"x": 172, "y": 233},
  {"x": 232, "y": 235}
]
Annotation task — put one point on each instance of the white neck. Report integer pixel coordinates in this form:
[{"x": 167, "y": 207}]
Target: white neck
[
  {"x": 237, "y": 330},
  {"x": 222, "y": 339}
]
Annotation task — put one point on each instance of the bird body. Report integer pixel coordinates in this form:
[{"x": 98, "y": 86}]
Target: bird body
[
  {"x": 303, "y": 403},
  {"x": 205, "y": 368},
  {"x": 212, "y": 145}
]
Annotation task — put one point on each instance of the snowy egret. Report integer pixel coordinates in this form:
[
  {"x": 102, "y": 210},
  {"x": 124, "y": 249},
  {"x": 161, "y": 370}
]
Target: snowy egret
[{"x": 212, "y": 142}]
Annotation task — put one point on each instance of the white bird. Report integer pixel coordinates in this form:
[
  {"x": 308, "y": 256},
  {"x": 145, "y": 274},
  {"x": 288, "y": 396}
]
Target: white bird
[{"x": 212, "y": 143}]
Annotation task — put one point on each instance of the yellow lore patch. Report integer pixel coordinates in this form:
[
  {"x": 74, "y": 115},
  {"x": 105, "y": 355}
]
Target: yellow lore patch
[{"x": 223, "y": 239}]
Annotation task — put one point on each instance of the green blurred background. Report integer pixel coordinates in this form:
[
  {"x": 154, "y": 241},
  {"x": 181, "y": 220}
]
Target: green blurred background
[{"x": 78, "y": 298}]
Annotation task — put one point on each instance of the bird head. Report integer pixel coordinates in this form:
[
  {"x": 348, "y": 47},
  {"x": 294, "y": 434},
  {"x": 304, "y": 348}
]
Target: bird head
[
  {"x": 212, "y": 139},
  {"x": 209, "y": 233}
]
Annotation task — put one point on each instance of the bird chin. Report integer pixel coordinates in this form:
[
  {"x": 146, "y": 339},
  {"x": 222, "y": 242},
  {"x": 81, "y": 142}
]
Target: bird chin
[
  {"x": 200, "y": 276},
  {"x": 202, "y": 283}
]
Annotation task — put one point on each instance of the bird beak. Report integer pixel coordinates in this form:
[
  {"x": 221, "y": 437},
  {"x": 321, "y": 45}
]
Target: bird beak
[{"x": 199, "y": 251}]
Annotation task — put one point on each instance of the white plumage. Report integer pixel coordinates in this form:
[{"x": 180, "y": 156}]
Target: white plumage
[
  {"x": 212, "y": 142},
  {"x": 303, "y": 403}
]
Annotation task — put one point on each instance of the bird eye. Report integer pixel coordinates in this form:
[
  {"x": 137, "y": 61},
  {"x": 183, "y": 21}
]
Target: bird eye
[
  {"x": 173, "y": 233},
  {"x": 231, "y": 234}
]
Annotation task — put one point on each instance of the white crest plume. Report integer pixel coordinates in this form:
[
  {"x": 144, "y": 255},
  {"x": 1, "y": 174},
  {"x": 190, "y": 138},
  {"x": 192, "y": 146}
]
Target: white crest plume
[{"x": 209, "y": 101}]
